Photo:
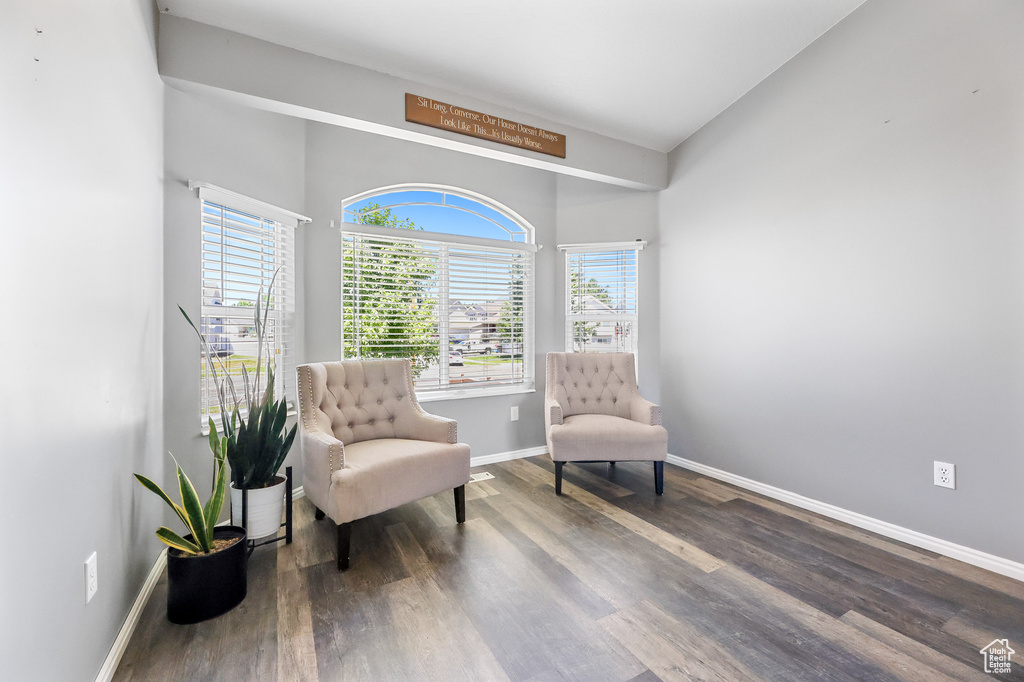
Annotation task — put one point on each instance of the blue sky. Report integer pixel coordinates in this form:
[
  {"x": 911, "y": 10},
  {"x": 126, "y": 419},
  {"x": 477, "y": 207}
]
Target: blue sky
[{"x": 427, "y": 213}]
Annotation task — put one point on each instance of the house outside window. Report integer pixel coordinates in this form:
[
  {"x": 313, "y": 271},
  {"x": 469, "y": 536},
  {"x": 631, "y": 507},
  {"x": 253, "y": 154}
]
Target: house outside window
[
  {"x": 601, "y": 283},
  {"x": 244, "y": 243},
  {"x": 443, "y": 277}
]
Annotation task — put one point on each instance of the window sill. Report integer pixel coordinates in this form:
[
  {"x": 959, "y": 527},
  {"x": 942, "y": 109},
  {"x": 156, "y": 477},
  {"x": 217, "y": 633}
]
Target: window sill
[{"x": 462, "y": 393}]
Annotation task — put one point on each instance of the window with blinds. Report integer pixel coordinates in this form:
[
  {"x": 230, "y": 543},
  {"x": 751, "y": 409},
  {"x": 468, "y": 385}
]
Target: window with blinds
[
  {"x": 601, "y": 297},
  {"x": 241, "y": 252},
  {"x": 458, "y": 311},
  {"x": 424, "y": 278}
]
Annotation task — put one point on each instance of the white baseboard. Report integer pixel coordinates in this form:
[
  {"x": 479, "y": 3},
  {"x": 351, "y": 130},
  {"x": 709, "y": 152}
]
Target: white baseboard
[
  {"x": 1011, "y": 569},
  {"x": 506, "y": 456},
  {"x": 113, "y": 658}
]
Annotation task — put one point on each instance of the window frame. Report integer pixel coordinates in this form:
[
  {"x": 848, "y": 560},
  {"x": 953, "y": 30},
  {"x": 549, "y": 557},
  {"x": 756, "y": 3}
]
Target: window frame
[
  {"x": 527, "y": 248},
  {"x": 529, "y": 231},
  {"x": 283, "y": 315},
  {"x": 595, "y": 249}
]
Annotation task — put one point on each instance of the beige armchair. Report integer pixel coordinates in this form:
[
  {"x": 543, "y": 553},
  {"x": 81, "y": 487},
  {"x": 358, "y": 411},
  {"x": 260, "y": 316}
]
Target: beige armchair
[
  {"x": 368, "y": 446},
  {"x": 593, "y": 412}
]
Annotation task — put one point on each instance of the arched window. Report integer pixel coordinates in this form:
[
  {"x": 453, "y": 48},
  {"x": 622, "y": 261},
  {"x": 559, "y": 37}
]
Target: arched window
[
  {"x": 443, "y": 209},
  {"x": 443, "y": 277}
]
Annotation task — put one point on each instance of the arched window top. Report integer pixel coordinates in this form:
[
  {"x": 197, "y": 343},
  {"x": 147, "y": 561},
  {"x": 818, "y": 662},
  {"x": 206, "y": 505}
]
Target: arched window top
[{"x": 447, "y": 210}]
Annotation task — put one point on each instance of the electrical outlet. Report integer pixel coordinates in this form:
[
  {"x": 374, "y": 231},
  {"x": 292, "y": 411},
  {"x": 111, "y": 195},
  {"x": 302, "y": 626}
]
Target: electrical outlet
[
  {"x": 515, "y": 413},
  {"x": 91, "y": 577},
  {"x": 945, "y": 475}
]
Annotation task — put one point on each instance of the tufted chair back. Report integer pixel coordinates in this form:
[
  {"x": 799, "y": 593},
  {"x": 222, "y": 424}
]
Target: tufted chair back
[
  {"x": 359, "y": 400},
  {"x": 592, "y": 383}
]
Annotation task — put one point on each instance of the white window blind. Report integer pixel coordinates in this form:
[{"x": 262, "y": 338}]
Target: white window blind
[
  {"x": 242, "y": 249},
  {"x": 601, "y": 297},
  {"x": 460, "y": 308}
]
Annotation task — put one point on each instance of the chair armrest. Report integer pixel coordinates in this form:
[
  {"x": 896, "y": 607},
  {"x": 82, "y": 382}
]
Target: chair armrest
[
  {"x": 323, "y": 450},
  {"x": 645, "y": 412},
  {"x": 425, "y": 426},
  {"x": 322, "y": 455},
  {"x": 552, "y": 412}
]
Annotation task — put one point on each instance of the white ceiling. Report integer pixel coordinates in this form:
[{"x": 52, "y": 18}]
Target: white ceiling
[{"x": 651, "y": 72}]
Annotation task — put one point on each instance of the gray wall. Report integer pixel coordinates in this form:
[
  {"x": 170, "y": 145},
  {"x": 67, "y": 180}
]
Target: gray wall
[
  {"x": 81, "y": 163},
  {"x": 251, "y": 152},
  {"x": 341, "y": 163},
  {"x": 844, "y": 299},
  {"x": 597, "y": 212}
]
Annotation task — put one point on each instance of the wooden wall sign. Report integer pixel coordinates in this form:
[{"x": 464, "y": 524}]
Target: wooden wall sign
[{"x": 430, "y": 112}]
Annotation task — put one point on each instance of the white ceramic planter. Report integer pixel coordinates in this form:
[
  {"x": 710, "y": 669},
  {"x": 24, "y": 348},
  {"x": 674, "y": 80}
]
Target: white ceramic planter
[{"x": 263, "y": 512}]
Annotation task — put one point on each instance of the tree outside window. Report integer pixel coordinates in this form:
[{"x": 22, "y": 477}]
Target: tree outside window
[{"x": 389, "y": 288}]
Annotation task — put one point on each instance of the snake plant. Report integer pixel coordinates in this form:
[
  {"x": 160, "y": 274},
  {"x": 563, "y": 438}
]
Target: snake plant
[
  {"x": 199, "y": 520},
  {"x": 257, "y": 449},
  {"x": 255, "y": 446}
]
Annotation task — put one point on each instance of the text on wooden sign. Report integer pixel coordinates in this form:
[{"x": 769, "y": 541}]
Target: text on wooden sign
[{"x": 430, "y": 112}]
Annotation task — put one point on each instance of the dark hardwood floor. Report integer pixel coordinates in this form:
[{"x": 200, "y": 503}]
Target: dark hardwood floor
[{"x": 607, "y": 582}]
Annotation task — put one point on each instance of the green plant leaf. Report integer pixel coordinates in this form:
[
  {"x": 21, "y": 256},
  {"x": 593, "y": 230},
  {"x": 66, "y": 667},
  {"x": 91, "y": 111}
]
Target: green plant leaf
[
  {"x": 231, "y": 387},
  {"x": 260, "y": 331},
  {"x": 266, "y": 420},
  {"x": 268, "y": 394},
  {"x": 216, "y": 501},
  {"x": 214, "y": 438},
  {"x": 246, "y": 389},
  {"x": 189, "y": 320},
  {"x": 250, "y": 447},
  {"x": 153, "y": 487},
  {"x": 235, "y": 420},
  {"x": 231, "y": 447},
  {"x": 279, "y": 420},
  {"x": 195, "y": 520},
  {"x": 288, "y": 440},
  {"x": 172, "y": 539}
]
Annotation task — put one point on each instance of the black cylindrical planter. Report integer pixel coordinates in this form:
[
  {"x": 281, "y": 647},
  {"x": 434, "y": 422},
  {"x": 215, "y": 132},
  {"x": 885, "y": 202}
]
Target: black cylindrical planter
[{"x": 203, "y": 586}]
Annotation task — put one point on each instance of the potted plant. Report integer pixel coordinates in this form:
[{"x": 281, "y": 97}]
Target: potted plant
[
  {"x": 206, "y": 568},
  {"x": 256, "y": 450},
  {"x": 256, "y": 445}
]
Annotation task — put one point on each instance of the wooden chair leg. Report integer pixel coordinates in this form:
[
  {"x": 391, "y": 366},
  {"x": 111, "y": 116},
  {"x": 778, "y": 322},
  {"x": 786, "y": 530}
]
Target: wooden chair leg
[
  {"x": 460, "y": 504},
  {"x": 558, "y": 477},
  {"x": 344, "y": 543},
  {"x": 318, "y": 514},
  {"x": 659, "y": 478}
]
